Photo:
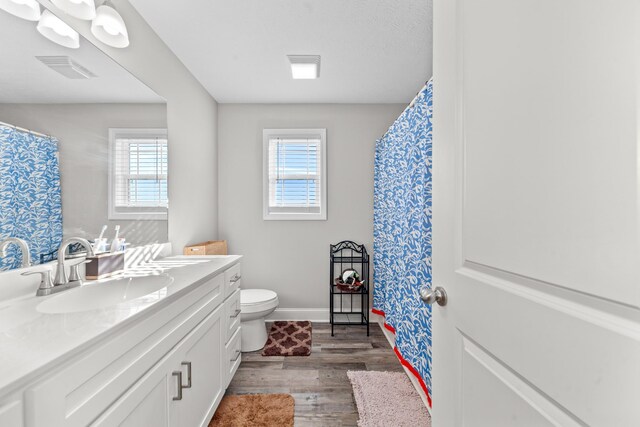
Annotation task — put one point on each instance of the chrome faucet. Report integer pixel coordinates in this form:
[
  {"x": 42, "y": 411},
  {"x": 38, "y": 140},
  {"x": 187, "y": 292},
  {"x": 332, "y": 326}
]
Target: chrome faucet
[
  {"x": 24, "y": 248},
  {"x": 61, "y": 273}
]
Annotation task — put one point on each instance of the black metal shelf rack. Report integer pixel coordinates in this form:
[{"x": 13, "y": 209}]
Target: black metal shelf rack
[{"x": 343, "y": 255}]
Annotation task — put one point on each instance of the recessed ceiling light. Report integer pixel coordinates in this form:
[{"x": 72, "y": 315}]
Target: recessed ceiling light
[{"x": 305, "y": 66}]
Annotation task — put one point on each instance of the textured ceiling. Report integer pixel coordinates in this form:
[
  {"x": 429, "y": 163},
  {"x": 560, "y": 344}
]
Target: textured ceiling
[
  {"x": 24, "y": 79},
  {"x": 376, "y": 51}
]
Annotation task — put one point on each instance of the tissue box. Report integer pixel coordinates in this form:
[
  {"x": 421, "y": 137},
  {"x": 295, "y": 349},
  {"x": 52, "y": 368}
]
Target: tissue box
[
  {"x": 211, "y": 247},
  {"x": 104, "y": 265}
]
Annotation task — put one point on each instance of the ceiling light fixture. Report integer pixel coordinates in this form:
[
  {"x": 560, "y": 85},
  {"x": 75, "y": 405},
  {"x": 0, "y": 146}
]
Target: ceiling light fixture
[
  {"x": 108, "y": 27},
  {"x": 25, "y": 9},
  {"x": 56, "y": 30},
  {"x": 82, "y": 9},
  {"x": 305, "y": 66}
]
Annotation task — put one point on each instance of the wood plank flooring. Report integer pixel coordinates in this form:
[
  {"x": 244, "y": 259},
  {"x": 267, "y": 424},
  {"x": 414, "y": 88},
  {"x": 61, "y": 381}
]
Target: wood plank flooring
[{"x": 319, "y": 382}]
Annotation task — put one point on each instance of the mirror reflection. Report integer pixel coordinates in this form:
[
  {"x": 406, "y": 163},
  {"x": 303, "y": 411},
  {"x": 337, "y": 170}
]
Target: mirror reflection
[{"x": 83, "y": 149}]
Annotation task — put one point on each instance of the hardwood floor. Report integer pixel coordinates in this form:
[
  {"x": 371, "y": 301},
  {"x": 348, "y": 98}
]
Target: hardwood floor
[{"x": 319, "y": 382}]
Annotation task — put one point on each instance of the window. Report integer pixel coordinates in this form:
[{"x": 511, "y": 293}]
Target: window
[
  {"x": 295, "y": 183},
  {"x": 138, "y": 174}
]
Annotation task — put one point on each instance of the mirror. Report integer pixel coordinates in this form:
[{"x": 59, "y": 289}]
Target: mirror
[{"x": 83, "y": 144}]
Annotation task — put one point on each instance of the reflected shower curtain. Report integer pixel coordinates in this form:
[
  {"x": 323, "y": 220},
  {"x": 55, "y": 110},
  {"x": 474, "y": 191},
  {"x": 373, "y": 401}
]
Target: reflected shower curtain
[
  {"x": 402, "y": 234},
  {"x": 30, "y": 198}
]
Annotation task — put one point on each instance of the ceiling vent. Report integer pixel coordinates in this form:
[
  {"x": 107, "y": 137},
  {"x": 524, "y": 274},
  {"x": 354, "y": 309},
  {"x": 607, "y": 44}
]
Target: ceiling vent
[{"x": 66, "y": 66}]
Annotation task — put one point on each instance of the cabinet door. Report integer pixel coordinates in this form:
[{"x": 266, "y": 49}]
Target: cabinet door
[
  {"x": 200, "y": 360},
  {"x": 11, "y": 413},
  {"x": 232, "y": 278},
  {"x": 232, "y": 314},
  {"x": 232, "y": 356},
  {"x": 147, "y": 402}
]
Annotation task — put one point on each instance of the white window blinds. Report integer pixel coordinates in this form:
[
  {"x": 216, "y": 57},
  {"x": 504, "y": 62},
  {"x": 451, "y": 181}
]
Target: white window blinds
[
  {"x": 138, "y": 178},
  {"x": 141, "y": 172},
  {"x": 295, "y": 175}
]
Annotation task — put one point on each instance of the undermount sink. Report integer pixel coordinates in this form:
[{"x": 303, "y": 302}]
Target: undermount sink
[{"x": 105, "y": 294}]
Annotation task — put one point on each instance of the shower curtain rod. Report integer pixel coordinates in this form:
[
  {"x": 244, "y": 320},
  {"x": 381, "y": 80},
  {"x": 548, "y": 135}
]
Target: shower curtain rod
[
  {"x": 413, "y": 101},
  {"x": 411, "y": 104},
  {"x": 25, "y": 130}
]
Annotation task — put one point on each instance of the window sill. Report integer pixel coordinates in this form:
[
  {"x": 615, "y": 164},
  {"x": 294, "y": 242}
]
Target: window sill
[
  {"x": 281, "y": 216},
  {"x": 138, "y": 216}
]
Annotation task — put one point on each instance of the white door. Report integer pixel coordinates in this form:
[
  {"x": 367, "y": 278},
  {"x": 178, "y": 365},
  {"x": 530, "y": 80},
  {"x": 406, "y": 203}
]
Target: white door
[{"x": 537, "y": 212}]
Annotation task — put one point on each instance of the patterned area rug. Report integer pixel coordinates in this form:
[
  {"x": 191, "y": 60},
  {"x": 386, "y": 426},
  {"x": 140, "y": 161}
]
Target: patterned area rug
[
  {"x": 387, "y": 399},
  {"x": 254, "y": 410},
  {"x": 289, "y": 339}
]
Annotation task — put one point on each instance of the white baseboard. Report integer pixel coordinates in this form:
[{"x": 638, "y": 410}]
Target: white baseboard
[
  {"x": 318, "y": 315},
  {"x": 392, "y": 342}
]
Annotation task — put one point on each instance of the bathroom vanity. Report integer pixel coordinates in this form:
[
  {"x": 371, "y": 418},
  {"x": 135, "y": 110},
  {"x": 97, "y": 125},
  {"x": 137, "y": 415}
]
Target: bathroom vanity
[{"x": 157, "y": 348}]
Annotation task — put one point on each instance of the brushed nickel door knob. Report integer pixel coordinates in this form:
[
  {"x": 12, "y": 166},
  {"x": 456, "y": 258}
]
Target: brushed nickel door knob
[{"x": 437, "y": 295}]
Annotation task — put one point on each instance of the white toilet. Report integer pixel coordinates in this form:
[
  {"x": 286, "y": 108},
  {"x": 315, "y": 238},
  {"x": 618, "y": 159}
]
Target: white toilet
[{"x": 255, "y": 305}]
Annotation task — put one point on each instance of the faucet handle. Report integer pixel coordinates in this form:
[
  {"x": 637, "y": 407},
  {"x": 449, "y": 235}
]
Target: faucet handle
[
  {"x": 46, "y": 283},
  {"x": 74, "y": 275}
]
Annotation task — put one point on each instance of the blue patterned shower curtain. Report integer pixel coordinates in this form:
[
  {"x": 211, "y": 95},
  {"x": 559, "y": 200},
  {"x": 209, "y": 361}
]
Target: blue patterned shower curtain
[
  {"x": 30, "y": 199},
  {"x": 402, "y": 234}
]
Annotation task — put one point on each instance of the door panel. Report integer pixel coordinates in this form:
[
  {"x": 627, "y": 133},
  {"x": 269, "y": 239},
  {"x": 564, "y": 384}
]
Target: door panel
[
  {"x": 558, "y": 346},
  {"x": 513, "y": 401},
  {"x": 536, "y": 218},
  {"x": 551, "y": 176}
]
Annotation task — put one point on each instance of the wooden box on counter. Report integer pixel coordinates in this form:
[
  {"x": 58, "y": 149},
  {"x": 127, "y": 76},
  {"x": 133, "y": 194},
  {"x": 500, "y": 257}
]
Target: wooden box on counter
[
  {"x": 104, "y": 265},
  {"x": 211, "y": 247}
]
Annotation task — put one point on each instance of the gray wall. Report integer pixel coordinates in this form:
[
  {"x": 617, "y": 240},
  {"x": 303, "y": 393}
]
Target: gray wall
[
  {"x": 191, "y": 120},
  {"x": 291, "y": 257},
  {"x": 82, "y": 130}
]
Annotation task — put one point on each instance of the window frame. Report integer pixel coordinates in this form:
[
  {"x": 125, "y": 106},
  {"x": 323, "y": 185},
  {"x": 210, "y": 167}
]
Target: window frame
[
  {"x": 137, "y": 213},
  {"x": 282, "y": 214}
]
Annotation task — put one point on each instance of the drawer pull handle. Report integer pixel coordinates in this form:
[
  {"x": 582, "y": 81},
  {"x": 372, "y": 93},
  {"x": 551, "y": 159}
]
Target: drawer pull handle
[
  {"x": 235, "y": 314},
  {"x": 237, "y": 355},
  {"x": 235, "y": 278},
  {"x": 179, "y": 375},
  {"x": 188, "y": 365}
]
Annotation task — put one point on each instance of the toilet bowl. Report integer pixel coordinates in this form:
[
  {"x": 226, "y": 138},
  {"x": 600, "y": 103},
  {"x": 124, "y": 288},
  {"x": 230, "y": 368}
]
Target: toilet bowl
[{"x": 255, "y": 306}]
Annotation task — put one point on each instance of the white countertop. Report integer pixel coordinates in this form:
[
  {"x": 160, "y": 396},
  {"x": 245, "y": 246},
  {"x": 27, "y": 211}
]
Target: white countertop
[{"x": 32, "y": 342}]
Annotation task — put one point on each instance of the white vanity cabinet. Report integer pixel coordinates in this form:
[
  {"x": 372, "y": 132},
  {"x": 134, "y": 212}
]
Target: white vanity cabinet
[
  {"x": 169, "y": 368},
  {"x": 183, "y": 389}
]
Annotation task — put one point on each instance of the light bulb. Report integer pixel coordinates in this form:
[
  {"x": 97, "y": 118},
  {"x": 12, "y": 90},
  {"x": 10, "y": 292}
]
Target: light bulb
[
  {"x": 108, "y": 27},
  {"x": 56, "y": 30},
  {"x": 81, "y": 9},
  {"x": 111, "y": 30},
  {"x": 25, "y": 9}
]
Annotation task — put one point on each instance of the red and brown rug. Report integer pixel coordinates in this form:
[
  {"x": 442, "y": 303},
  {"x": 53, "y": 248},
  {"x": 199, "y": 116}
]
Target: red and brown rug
[{"x": 290, "y": 338}]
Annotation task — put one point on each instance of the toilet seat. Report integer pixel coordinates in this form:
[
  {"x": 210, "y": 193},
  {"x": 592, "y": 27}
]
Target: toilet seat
[{"x": 256, "y": 300}]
